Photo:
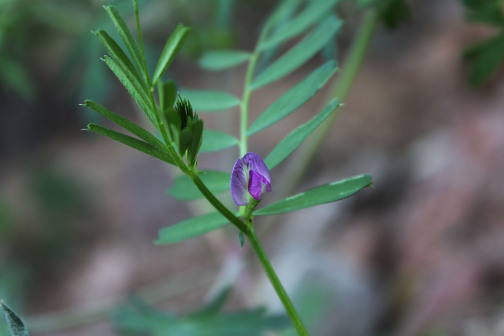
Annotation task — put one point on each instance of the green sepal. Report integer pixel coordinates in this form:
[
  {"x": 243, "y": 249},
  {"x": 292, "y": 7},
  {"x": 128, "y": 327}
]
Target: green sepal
[{"x": 185, "y": 138}]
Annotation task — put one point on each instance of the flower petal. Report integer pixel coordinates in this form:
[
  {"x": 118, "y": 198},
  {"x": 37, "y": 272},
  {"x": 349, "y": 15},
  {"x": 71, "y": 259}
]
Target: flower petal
[
  {"x": 239, "y": 183},
  {"x": 254, "y": 162},
  {"x": 256, "y": 185}
]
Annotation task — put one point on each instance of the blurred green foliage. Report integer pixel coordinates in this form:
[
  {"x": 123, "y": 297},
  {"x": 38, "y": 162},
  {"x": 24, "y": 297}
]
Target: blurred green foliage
[
  {"x": 138, "y": 318},
  {"x": 486, "y": 57}
]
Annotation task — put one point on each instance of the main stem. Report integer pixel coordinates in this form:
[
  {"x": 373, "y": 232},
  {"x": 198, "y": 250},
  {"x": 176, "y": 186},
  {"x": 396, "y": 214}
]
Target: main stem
[{"x": 277, "y": 285}]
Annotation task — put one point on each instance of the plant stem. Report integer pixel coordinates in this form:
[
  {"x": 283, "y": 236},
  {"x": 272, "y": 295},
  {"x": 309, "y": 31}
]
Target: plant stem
[
  {"x": 277, "y": 285},
  {"x": 217, "y": 204},
  {"x": 341, "y": 89},
  {"x": 245, "y": 103}
]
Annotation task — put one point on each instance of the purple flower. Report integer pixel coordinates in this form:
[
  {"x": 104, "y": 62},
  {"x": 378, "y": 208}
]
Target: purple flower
[{"x": 250, "y": 177}]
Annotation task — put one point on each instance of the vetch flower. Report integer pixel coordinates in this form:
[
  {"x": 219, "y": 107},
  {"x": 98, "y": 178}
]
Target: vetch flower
[{"x": 250, "y": 178}]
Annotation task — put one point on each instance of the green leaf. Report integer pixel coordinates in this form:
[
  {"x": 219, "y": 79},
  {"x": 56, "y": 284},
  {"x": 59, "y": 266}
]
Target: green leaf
[
  {"x": 214, "y": 141},
  {"x": 485, "y": 11},
  {"x": 126, "y": 124},
  {"x": 134, "y": 87},
  {"x": 131, "y": 142},
  {"x": 300, "y": 53},
  {"x": 184, "y": 189},
  {"x": 118, "y": 54},
  {"x": 294, "y": 98},
  {"x": 16, "y": 325},
  {"x": 485, "y": 59},
  {"x": 127, "y": 37},
  {"x": 191, "y": 228},
  {"x": 280, "y": 14},
  {"x": 210, "y": 100},
  {"x": 309, "y": 16},
  {"x": 216, "y": 60},
  {"x": 326, "y": 193},
  {"x": 171, "y": 48},
  {"x": 295, "y": 138}
]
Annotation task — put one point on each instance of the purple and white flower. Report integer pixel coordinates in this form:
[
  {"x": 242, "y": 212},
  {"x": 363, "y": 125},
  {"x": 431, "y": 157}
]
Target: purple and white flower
[{"x": 250, "y": 178}]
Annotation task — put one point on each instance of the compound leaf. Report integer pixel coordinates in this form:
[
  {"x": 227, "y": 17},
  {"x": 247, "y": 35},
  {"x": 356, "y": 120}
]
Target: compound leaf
[
  {"x": 300, "y": 53},
  {"x": 294, "y": 98},
  {"x": 310, "y": 15}
]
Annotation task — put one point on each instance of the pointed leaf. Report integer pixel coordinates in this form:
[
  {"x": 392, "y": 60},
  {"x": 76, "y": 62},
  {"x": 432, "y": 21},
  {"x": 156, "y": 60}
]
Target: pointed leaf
[
  {"x": 320, "y": 195},
  {"x": 294, "y": 98},
  {"x": 309, "y": 16},
  {"x": 171, "y": 48},
  {"x": 216, "y": 60},
  {"x": 280, "y": 14},
  {"x": 295, "y": 138},
  {"x": 191, "y": 228},
  {"x": 127, "y": 37},
  {"x": 118, "y": 54},
  {"x": 183, "y": 188},
  {"x": 167, "y": 95},
  {"x": 16, "y": 325},
  {"x": 210, "y": 100},
  {"x": 134, "y": 87},
  {"x": 131, "y": 142},
  {"x": 126, "y": 124},
  {"x": 215, "y": 141},
  {"x": 300, "y": 53}
]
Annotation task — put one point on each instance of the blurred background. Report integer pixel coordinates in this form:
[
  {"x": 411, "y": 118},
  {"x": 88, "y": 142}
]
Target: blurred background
[{"x": 420, "y": 254}]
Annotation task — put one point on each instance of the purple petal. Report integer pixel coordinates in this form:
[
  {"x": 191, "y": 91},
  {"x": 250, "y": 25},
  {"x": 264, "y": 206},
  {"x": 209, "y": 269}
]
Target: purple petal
[
  {"x": 239, "y": 183},
  {"x": 256, "y": 185},
  {"x": 254, "y": 162}
]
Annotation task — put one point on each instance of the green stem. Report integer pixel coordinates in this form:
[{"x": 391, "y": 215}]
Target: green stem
[
  {"x": 345, "y": 81},
  {"x": 216, "y": 203},
  {"x": 245, "y": 102},
  {"x": 277, "y": 285}
]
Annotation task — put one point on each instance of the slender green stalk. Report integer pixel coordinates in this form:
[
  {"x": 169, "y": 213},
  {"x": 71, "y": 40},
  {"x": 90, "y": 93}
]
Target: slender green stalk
[
  {"x": 351, "y": 67},
  {"x": 245, "y": 101},
  {"x": 217, "y": 204},
  {"x": 277, "y": 285}
]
